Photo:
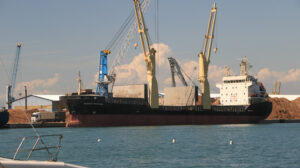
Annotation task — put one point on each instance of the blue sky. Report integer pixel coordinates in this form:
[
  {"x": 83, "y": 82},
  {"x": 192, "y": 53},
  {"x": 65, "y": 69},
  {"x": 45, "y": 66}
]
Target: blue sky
[{"x": 61, "y": 37}]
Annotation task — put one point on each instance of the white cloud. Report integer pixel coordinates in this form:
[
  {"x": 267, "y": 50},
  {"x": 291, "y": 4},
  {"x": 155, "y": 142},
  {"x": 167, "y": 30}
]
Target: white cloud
[
  {"x": 216, "y": 73},
  {"x": 135, "y": 71},
  {"x": 293, "y": 75},
  {"x": 38, "y": 85},
  {"x": 288, "y": 79}
]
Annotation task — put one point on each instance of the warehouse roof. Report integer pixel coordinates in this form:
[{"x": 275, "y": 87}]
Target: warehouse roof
[{"x": 47, "y": 97}]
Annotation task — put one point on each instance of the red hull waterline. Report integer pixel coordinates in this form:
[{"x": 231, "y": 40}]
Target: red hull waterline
[{"x": 104, "y": 120}]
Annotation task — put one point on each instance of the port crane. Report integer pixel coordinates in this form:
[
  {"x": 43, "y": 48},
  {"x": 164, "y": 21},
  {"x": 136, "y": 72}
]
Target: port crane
[
  {"x": 149, "y": 55},
  {"x": 204, "y": 59},
  {"x": 175, "y": 69},
  {"x": 103, "y": 78},
  {"x": 11, "y": 86},
  {"x": 106, "y": 77},
  {"x": 276, "y": 92}
]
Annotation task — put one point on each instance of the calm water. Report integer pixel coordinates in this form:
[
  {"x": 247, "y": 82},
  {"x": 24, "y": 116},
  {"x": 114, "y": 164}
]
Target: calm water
[{"x": 264, "y": 145}]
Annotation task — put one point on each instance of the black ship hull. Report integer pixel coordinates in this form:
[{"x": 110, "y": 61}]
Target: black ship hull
[
  {"x": 4, "y": 116},
  {"x": 93, "y": 111}
]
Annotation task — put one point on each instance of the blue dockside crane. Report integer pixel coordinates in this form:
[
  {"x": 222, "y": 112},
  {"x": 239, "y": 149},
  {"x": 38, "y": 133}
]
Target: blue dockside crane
[
  {"x": 11, "y": 86},
  {"x": 103, "y": 81}
]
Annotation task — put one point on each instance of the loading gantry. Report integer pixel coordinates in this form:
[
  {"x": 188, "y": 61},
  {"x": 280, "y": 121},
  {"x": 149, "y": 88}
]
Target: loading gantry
[
  {"x": 149, "y": 55},
  {"x": 175, "y": 68},
  {"x": 11, "y": 86},
  {"x": 204, "y": 59},
  {"x": 103, "y": 78}
]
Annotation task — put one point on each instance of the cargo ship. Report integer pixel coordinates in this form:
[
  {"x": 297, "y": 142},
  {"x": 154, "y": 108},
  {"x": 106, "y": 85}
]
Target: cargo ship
[
  {"x": 242, "y": 98},
  {"x": 95, "y": 111},
  {"x": 4, "y": 116}
]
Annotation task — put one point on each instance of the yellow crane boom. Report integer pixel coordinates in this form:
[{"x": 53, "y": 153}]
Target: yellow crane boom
[
  {"x": 149, "y": 55},
  {"x": 204, "y": 59}
]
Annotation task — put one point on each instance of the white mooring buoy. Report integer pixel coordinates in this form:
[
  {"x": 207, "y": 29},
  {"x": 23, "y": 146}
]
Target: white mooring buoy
[
  {"x": 173, "y": 140},
  {"x": 98, "y": 140}
]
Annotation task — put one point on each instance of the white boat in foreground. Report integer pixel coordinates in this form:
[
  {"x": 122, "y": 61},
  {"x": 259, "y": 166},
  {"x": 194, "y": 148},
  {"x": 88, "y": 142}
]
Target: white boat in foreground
[
  {"x": 10, "y": 163},
  {"x": 52, "y": 151}
]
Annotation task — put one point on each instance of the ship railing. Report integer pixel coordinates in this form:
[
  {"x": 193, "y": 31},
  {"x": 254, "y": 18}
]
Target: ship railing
[
  {"x": 136, "y": 101},
  {"x": 182, "y": 108},
  {"x": 40, "y": 140},
  {"x": 229, "y": 108}
]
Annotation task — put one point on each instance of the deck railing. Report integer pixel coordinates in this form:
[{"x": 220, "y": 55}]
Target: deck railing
[{"x": 39, "y": 139}]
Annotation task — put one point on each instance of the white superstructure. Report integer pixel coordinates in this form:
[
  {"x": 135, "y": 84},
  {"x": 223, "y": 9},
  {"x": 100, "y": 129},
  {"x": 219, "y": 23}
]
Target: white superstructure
[{"x": 241, "y": 90}]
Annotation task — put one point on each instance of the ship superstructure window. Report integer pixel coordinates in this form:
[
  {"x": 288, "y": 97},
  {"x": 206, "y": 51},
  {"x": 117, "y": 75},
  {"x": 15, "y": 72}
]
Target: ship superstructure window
[{"x": 236, "y": 81}]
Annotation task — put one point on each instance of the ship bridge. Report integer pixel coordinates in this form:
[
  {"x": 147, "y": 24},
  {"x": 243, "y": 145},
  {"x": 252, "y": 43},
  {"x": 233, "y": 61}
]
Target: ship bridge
[
  {"x": 239, "y": 90},
  {"x": 239, "y": 79}
]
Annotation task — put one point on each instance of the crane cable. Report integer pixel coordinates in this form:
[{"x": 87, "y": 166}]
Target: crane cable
[
  {"x": 127, "y": 39},
  {"x": 120, "y": 32},
  {"x": 188, "y": 75},
  {"x": 156, "y": 21}
]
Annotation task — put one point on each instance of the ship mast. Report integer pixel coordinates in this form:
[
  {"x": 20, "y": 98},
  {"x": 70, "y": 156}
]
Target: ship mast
[
  {"x": 204, "y": 59},
  {"x": 149, "y": 55},
  {"x": 79, "y": 84}
]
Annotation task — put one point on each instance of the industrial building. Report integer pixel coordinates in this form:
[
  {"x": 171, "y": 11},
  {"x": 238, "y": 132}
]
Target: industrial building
[{"x": 47, "y": 103}]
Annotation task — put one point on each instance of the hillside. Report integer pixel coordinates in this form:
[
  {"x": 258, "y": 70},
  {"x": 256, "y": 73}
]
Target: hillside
[{"x": 284, "y": 109}]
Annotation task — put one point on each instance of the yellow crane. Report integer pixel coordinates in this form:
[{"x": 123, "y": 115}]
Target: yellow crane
[
  {"x": 149, "y": 55},
  {"x": 276, "y": 92},
  {"x": 204, "y": 59}
]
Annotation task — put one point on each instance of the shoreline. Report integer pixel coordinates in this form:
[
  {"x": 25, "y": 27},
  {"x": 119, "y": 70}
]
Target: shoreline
[
  {"x": 63, "y": 124},
  {"x": 280, "y": 121},
  {"x": 37, "y": 125}
]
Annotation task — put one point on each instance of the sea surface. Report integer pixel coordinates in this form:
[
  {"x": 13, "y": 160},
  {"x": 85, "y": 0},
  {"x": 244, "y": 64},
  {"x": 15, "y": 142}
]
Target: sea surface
[{"x": 215, "y": 146}]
